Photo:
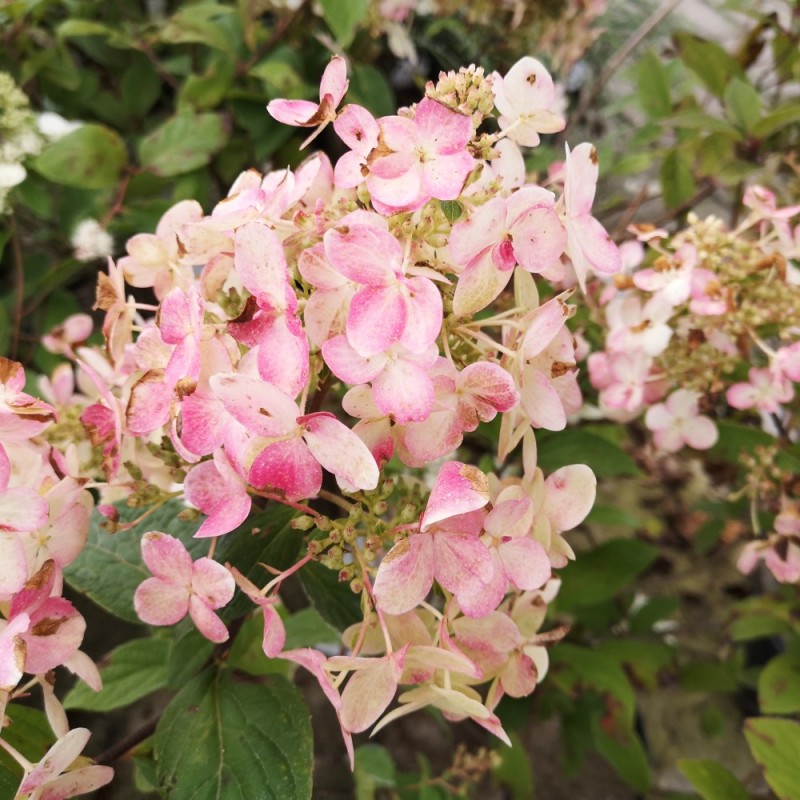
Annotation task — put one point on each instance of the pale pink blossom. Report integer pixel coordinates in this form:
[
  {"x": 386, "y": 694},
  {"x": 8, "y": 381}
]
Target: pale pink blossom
[
  {"x": 764, "y": 391},
  {"x": 678, "y": 422},
  {"x": 181, "y": 586}
]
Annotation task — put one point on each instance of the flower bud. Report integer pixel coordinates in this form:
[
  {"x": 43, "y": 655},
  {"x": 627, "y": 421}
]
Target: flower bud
[{"x": 303, "y": 523}]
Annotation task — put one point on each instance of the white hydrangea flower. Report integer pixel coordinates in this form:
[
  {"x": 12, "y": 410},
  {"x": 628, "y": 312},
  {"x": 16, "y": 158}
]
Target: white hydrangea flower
[{"x": 91, "y": 241}]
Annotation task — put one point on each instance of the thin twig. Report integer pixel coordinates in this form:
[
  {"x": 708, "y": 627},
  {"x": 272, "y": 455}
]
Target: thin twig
[
  {"x": 111, "y": 754},
  {"x": 616, "y": 61}
]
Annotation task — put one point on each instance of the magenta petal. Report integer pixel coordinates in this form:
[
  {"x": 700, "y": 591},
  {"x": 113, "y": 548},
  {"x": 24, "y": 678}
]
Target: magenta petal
[
  {"x": 340, "y": 451},
  {"x": 207, "y": 622},
  {"x": 160, "y": 603},
  {"x": 404, "y": 390},
  {"x": 203, "y": 421},
  {"x": 459, "y": 489},
  {"x": 405, "y": 575},
  {"x": 283, "y": 355},
  {"x": 288, "y": 467}
]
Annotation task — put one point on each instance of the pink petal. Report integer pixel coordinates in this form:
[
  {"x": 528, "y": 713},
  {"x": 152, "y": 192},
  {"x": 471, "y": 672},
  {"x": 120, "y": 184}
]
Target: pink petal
[
  {"x": 160, "y": 603},
  {"x": 443, "y": 177},
  {"x": 582, "y": 170},
  {"x": 443, "y": 130},
  {"x": 340, "y": 451},
  {"x": 315, "y": 269},
  {"x": 167, "y": 558},
  {"x": 207, "y": 622},
  {"x": 742, "y": 396},
  {"x": 519, "y": 676},
  {"x": 292, "y": 112},
  {"x": 368, "y": 693},
  {"x": 358, "y": 129},
  {"x": 203, "y": 421},
  {"x": 396, "y": 181},
  {"x": 569, "y": 495},
  {"x": 364, "y": 254},
  {"x": 334, "y": 80},
  {"x": 13, "y": 565},
  {"x": 260, "y": 407},
  {"x": 212, "y": 582},
  {"x": 289, "y": 467},
  {"x": 347, "y": 365},
  {"x": 405, "y": 575},
  {"x": 526, "y": 86},
  {"x": 150, "y": 403},
  {"x": 424, "y": 320},
  {"x": 525, "y": 562},
  {"x": 12, "y": 651},
  {"x": 459, "y": 489},
  {"x": 489, "y": 387},
  {"x": 77, "y": 782},
  {"x": 274, "y": 639},
  {"x": 224, "y": 500},
  {"x": 377, "y": 319},
  {"x": 482, "y": 229},
  {"x": 325, "y": 313},
  {"x": 261, "y": 264},
  {"x": 700, "y": 433},
  {"x": 283, "y": 355},
  {"x": 462, "y": 562},
  {"x": 404, "y": 390},
  {"x": 541, "y": 401},
  {"x": 539, "y": 239},
  {"x": 22, "y": 510},
  {"x": 60, "y": 756},
  {"x": 545, "y": 324}
]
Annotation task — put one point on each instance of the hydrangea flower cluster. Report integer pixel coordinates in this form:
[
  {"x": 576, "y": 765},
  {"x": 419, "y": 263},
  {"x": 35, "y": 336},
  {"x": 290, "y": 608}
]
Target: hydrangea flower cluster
[
  {"x": 307, "y": 299},
  {"x": 709, "y": 322}
]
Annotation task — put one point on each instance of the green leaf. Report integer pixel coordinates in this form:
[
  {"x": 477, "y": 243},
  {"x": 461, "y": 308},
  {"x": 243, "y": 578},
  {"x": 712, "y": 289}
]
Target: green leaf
[
  {"x": 30, "y": 733},
  {"x": 735, "y": 439},
  {"x": 712, "y": 780},
  {"x": 199, "y": 23},
  {"x": 742, "y": 103},
  {"x": 602, "y": 572},
  {"x": 653, "y": 86},
  {"x": 374, "y": 769},
  {"x": 710, "y": 676},
  {"x": 91, "y": 157},
  {"x": 343, "y": 18},
  {"x": 190, "y": 651},
  {"x": 677, "y": 182},
  {"x": 334, "y": 600},
  {"x": 573, "y": 446},
  {"x": 699, "y": 121},
  {"x": 777, "y": 120},
  {"x": 514, "y": 769},
  {"x": 775, "y": 745},
  {"x": 452, "y": 210},
  {"x": 223, "y": 738},
  {"x": 626, "y": 756},
  {"x": 369, "y": 88},
  {"x": 307, "y": 628},
  {"x": 183, "y": 143},
  {"x": 779, "y": 685},
  {"x": 209, "y": 89},
  {"x": 708, "y": 60},
  {"x": 133, "y": 670}
]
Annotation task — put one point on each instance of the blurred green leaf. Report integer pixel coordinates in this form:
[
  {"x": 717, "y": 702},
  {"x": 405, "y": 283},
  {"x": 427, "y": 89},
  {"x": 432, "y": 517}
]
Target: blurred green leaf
[
  {"x": 708, "y": 61},
  {"x": 778, "y": 119},
  {"x": 653, "y": 85},
  {"x": 602, "y": 572},
  {"x": 626, "y": 756},
  {"x": 775, "y": 745},
  {"x": 183, "y": 143},
  {"x": 575, "y": 446},
  {"x": 779, "y": 685},
  {"x": 199, "y": 23},
  {"x": 343, "y": 18},
  {"x": 91, "y": 157},
  {"x": 742, "y": 103},
  {"x": 307, "y": 628},
  {"x": 374, "y": 769},
  {"x": 677, "y": 182},
  {"x": 515, "y": 770},
  {"x": 369, "y": 88},
  {"x": 334, "y": 600},
  {"x": 712, "y": 780}
]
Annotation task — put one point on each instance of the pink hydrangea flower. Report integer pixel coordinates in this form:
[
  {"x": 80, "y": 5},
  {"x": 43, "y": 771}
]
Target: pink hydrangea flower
[
  {"x": 180, "y": 586},
  {"x": 765, "y": 391},
  {"x": 678, "y": 422}
]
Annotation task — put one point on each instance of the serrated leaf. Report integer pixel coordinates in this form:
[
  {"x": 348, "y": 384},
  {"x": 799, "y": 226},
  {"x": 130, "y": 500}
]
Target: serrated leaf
[
  {"x": 742, "y": 103},
  {"x": 132, "y": 671},
  {"x": 712, "y": 780},
  {"x": 343, "y": 18},
  {"x": 775, "y": 745},
  {"x": 602, "y": 572},
  {"x": 91, "y": 157},
  {"x": 223, "y": 738},
  {"x": 708, "y": 60},
  {"x": 182, "y": 144},
  {"x": 779, "y": 685},
  {"x": 334, "y": 600},
  {"x": 573, "y": 446}
]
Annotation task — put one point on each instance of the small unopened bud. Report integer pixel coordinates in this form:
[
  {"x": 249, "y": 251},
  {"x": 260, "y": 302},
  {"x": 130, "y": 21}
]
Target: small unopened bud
[
  {"x": 356, "y": 512},
  {"x": 387, "y": 487},
  {"x": 373, "y": 543},
  {"x": 357, "y": 586},
  {"x": 381, "y": 508},
  {"x": 336, "y": 536},
  {"x": 345, "y": 574},
  {"x": 349, "y": 533},
  {"x": 189, "y": 515},
  {"x": 324, "y": 523},
  {"x": 303, "y": 523},
  {"x": 314, "y": 547},
  {"x": 409, "y": 512}
]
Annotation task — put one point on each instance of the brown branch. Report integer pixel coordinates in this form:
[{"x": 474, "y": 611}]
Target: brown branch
[{"x": 126, "y": 743}]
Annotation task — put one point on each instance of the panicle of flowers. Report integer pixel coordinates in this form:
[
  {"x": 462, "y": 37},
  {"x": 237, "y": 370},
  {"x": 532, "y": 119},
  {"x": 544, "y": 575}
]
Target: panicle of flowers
[
  {"x": 325, "y": 320},
  {"x": 708, "y": 322}
]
